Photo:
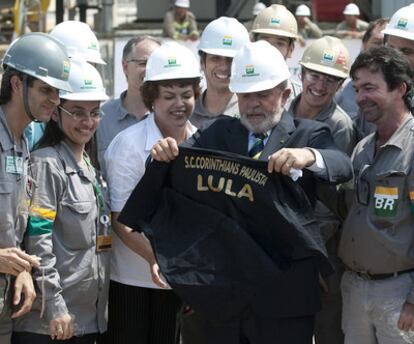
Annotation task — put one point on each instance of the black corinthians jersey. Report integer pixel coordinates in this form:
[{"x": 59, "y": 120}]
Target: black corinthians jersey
[{"x": 219, "y": 219}]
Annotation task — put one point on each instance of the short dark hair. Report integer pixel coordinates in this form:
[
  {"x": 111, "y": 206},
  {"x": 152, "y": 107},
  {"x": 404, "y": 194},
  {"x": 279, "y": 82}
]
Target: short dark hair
[
  {"x": 371, "y": 27},
  {"x": 134, "y": 41},
  {"x": 6, "y": 89},
  {"x": 150, "y": 89},
  {"x": 392, "y": 64}
]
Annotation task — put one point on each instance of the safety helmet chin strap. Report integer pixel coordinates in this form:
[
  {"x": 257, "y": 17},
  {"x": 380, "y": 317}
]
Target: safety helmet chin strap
[{"x": 26, "y": 99}]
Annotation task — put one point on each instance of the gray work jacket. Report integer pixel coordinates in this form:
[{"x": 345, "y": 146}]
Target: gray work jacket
[
  {"x": 64, "y": 223},
  {"x": 15, "y": 189}
]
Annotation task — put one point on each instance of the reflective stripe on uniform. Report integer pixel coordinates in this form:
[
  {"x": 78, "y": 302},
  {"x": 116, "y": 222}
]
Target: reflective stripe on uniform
[
  {"x": 38, "y": 226},
  {"x": 45, "y": 213}
]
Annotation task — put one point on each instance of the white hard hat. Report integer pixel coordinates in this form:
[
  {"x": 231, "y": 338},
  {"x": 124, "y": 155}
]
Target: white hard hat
[
  {"x": 79, "y": 39},
  {"x": 257, "y": 66},
  {"x": 223, "y": 36},
  {"x": 182, "y": 3},
  {"x": 85, "y": 82},
  {"x": 351, "y": 10},
  {"x": 303, "y": 10},
  {"x": 257, "y": 8},
  {"x": 172, "y": 61},
  {"x": 402, "y": 23}
]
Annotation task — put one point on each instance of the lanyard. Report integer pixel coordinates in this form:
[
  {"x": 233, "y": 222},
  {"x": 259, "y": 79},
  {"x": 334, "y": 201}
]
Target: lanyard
[
  {"x": 104, "y": 238},
  {"x": 96, "y": 187}
]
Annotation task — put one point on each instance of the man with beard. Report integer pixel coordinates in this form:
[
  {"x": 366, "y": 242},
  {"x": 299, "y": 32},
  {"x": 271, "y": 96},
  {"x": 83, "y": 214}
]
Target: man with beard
[
  {"x": 377, "y": 238},
  {"x": 267, "y": 133}
]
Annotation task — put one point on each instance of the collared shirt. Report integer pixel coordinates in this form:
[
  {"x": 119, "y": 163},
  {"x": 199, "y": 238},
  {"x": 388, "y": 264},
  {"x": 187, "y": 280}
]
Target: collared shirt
[
  {"x": 15, "y": 186},
  {"x": 62, "y": 230},
  {"x": 343, "y": 133},
  {"x": 339, "y": 122},
  {"x": 115, "y": 119},
  {"x": 15, "y": 192},
  {"x": 378, "y": 233},
  {"x": 34, "y": 132},
  {"x": 201, "y": 118},
  {"x": 125, "y": 165}
]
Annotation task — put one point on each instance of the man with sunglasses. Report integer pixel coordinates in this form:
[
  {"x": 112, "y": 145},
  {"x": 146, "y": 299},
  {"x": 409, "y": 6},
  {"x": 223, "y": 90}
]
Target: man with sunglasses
[
  {"x": 129, "y": 108},
  {"x": 377, "y": 235},
  {"x": 325, "y": 64}
]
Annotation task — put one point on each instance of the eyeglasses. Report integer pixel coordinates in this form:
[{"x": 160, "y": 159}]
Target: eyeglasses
[
  {"x": 315, "y": 77},
  {"x": 138, "y": 62},
  {"x": 80, "y": 115}
]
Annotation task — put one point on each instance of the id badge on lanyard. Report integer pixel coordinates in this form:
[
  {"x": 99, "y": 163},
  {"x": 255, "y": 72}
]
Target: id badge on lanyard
[
  {"x": 14, "y": 164},
  {"x": 104, "y": 238},
  {"x": 104, "y": 235}
]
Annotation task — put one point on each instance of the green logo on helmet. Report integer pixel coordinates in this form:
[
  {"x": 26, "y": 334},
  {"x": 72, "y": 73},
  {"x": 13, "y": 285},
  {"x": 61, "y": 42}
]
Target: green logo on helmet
[
  {"x": 172, "y": 62},
  {"x": 228, "y": 40},
  {"x": 88, "y": 84},
  {"x": 93, "y": 46},
  {"x": 402, "y": 23},
  {"x": 249, "y": 71}
]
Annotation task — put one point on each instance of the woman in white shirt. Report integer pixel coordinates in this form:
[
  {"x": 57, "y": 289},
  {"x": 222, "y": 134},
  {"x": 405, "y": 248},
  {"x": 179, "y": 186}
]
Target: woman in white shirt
[{"x": 142, "y": 308}]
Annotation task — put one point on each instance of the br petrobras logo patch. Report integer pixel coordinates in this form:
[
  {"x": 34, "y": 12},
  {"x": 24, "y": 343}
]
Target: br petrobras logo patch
[
  {"x": 402, "y": 23},
  {"x": 327, "y": 57},
  {"x": 275, "y": 21},
  {"x": 228, "y": 40},
  {"x": 386, "y": 201},
  {"x": 249, "y": 71}
]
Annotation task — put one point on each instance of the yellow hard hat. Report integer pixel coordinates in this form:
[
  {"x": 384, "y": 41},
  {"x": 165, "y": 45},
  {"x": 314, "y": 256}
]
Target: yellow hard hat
[
  {"x": 327, "y": 55},
  {"x": 276, "y": 20}
]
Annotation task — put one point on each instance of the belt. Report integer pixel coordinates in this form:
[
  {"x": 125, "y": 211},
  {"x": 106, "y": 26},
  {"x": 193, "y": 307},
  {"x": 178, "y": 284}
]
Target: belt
[{"x": 376, "y": 277}]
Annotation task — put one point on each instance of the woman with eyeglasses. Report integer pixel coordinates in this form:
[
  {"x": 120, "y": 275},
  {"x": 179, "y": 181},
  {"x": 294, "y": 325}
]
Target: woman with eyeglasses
[{"x": 68, "y": 227}]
